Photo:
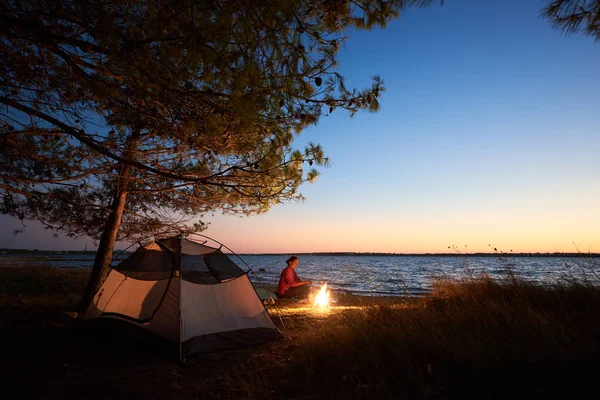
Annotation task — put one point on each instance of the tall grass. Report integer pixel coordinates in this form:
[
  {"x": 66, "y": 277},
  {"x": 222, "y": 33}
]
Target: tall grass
[
  {"x": 469, "y": 338},
  {"x": 28, "y": 292}
]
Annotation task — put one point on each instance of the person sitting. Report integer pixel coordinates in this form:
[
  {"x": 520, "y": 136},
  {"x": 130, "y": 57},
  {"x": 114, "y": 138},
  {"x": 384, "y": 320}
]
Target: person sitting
[{"x": 290, "y": 285}]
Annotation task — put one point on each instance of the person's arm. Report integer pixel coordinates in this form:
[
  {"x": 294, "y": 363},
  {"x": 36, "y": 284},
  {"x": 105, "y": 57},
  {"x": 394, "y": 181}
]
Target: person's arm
[
  {"x": 300, "y": 282},
  {"x": 292, "y": 279}
]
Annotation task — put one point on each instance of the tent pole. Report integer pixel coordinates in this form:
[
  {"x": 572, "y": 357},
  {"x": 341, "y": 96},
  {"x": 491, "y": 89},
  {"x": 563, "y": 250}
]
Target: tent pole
[{"x": 179, "y": 302}]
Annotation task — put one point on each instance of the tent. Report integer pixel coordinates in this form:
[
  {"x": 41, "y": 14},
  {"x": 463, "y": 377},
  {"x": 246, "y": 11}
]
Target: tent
[{"x": 187, "y": 292}]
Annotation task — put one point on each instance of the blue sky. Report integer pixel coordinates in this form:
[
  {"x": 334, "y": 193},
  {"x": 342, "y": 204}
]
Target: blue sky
[{"x": 488, "y": 134}]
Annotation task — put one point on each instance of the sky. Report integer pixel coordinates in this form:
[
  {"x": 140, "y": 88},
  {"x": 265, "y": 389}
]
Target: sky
[{"x": 488, "y": 135}]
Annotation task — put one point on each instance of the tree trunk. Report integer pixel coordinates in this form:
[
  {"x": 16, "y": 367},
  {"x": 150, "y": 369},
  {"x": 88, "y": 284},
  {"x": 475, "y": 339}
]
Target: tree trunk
[{"x": 108, "y": 238}]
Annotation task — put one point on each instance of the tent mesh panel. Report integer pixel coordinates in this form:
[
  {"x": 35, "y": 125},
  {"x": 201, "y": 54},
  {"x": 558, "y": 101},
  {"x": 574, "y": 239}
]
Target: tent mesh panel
[
  {"x": 209, "y": 269},
  {"x": 194, "y": 269},
  {"x": 222, "y": 267},
  {"x": 148, "y": 265}
]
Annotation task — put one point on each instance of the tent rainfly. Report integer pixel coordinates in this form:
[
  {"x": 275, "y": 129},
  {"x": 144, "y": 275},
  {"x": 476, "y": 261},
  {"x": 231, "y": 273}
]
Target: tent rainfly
[{"x": 187, "y": 292}]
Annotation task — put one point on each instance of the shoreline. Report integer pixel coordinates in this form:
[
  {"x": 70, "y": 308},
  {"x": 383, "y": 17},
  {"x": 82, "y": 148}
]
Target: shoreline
[{"x": 400, "y": 292}]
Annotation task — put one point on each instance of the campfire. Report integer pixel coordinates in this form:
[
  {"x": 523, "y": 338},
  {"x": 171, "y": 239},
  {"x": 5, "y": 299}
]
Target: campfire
[{"x": 322, "y": 298}]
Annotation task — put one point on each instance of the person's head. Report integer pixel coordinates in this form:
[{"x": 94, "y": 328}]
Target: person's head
[{"x": 292, "y": 261}]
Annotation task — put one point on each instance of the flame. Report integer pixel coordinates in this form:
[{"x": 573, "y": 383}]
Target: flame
[{"x": 322, "y": 298}]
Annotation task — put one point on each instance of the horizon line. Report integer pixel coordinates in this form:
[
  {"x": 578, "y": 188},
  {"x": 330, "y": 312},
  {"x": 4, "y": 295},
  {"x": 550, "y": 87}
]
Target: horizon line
[
  {"x": 333, "y": 253},
  {"x": 420, "y": 254}
]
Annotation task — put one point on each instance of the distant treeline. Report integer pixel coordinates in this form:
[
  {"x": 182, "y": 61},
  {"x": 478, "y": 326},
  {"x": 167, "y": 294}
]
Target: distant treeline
[
  {"x": 556, "y": 254},
  {"x": 50, "y": 252}
]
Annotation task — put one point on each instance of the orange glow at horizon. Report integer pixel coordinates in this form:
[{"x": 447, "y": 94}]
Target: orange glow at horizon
[{"x": 522, "y": 231}]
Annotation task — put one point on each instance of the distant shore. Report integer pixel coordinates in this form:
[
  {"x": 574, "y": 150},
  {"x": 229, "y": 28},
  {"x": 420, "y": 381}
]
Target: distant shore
[
  {"x": 585, "y": 255},
  {"x": 324, "y": 254}
]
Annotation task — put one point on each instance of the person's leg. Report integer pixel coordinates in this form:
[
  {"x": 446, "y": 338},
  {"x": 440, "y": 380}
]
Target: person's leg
[{"x": 298, "y": 291}]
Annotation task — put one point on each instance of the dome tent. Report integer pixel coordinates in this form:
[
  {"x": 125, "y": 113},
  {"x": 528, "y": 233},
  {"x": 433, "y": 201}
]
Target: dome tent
[{"x": 187, "y": 292}]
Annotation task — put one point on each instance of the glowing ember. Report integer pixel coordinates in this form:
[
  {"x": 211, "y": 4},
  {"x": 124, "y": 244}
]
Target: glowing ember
[{"x": 322, "y": 298}]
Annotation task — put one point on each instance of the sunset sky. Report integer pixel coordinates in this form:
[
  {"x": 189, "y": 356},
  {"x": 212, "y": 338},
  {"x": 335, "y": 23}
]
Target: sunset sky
[{"x": 488, "y": 135}]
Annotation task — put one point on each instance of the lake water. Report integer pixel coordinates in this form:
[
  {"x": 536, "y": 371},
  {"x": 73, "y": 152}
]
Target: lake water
[
  {"x": 383, "y": 275},
  {"x": 414, "y": 274}
]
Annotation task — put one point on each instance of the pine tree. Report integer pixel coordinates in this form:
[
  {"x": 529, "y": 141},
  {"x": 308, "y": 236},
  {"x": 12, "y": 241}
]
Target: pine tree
[
  {"x": 123, "y": 118},
  {"x": 575, "y": 16}
]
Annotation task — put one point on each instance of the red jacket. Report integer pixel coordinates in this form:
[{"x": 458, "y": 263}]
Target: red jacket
[{"x": 287, "y": 278}]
